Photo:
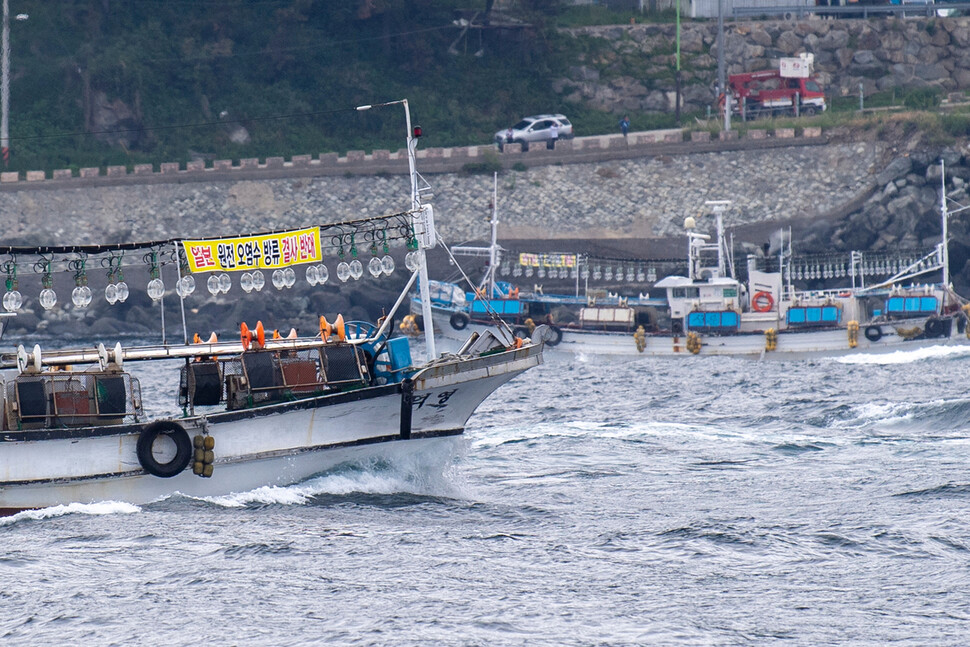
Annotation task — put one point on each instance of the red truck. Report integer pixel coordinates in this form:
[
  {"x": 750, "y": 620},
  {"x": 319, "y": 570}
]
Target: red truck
[{"x": 789, "y": 90}]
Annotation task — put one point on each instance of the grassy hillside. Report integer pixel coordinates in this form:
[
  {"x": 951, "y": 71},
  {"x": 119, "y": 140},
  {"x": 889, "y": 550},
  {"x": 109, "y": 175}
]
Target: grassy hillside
[{"x": 176, "y": 72}]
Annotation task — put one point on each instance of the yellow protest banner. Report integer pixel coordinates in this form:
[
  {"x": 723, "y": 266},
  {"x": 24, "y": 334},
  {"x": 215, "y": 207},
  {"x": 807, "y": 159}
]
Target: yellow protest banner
[
  {"x": 547, "y": 260},
  {"x": 265, "y": 251}
]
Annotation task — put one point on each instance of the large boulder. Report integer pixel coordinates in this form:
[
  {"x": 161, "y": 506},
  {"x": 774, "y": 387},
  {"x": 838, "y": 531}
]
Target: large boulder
[{"x": 896, "y": 169}]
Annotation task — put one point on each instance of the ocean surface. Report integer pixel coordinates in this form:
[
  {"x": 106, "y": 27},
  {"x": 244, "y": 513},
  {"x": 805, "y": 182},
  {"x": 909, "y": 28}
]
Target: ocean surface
[{"x": 699, "y": 501}]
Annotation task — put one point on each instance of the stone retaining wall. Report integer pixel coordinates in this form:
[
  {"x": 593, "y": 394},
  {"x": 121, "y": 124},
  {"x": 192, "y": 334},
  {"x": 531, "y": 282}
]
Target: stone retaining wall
[
  {"x": 617, "y": 193},
  {"x": 381, "y": 161},
  {"x": 878, "y": 53}
]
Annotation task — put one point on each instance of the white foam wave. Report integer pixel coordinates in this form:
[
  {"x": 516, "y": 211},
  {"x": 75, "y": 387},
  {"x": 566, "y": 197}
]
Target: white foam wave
[
  {"x": 581, "y": 429},
  {"x": 100, "y": 508},
  {"x": 906, "y": 356},
  {"x": 421, "y": 472}
]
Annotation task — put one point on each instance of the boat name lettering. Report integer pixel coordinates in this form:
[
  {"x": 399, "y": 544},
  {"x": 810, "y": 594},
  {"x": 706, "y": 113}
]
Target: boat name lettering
[
  {"x": 269, "y": 251},
  {"x": 443, "y": 397}
]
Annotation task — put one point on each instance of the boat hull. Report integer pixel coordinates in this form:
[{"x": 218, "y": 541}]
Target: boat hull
[
  {"x": 830, "y": 342},
  {"x": 273, "y": 445}
]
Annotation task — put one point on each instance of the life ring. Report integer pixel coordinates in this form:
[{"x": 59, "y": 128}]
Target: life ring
[
  {"x": 934, "y": 327},
  {"x": 873, "y": 333},
  {"x": 762, "y": 301},
  {"x": 183, "y": 448},
  {"x": 459, "y": 321},
  {"x": 555, "y": 336}
]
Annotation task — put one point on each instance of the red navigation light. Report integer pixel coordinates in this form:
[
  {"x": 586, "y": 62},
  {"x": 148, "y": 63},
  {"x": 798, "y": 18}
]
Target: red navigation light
[{"x": 417, "y": 131}]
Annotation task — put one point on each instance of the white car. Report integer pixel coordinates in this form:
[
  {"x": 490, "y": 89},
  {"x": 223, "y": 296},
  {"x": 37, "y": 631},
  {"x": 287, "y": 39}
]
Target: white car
[{"x": 534, "y": 129}]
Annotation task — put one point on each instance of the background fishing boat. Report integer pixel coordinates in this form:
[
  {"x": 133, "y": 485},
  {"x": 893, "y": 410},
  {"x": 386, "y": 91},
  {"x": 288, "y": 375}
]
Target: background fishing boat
[{"x": 869, "y": 303}]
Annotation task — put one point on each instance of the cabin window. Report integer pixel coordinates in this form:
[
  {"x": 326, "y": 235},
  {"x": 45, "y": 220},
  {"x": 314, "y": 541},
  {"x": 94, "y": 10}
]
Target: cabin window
[{"x": 686, "y": 293}]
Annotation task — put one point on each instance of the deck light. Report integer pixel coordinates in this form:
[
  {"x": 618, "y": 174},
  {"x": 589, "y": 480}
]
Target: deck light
[
  {"x": 356, "y": 269},
  {"x": 156, "y": 289},
  {"x": 47, "y": 298},
  {"x": 188, "y": 284},
  {"x": 311, "y": 274},
  {"x": 374, "y": 267},
  {"x": 343, "y": 271}
]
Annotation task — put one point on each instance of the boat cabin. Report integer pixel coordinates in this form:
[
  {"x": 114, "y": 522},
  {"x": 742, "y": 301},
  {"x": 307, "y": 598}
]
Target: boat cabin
[{"x": 607, "y": 317}]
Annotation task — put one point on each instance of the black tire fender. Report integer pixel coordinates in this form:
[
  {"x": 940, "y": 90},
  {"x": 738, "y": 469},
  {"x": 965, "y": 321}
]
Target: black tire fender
[
  {"x": 933, "y": 327},
  {"x": 555, "y": 336},
  {"x": 459, "y": 321},
  {"x": 521, "y": 332},
  {"x": 183, "y": 448},
  {"x": 873, "y": 333}
]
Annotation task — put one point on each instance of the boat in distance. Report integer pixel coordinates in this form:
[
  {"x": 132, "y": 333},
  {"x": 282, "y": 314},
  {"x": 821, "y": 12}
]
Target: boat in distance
[{"x": 711, "y": 312}]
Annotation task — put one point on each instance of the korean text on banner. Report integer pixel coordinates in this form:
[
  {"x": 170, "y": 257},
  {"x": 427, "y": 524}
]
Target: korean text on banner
[
  {"x": 547, "y": 260},
  {"x": 266, "y": 251}
]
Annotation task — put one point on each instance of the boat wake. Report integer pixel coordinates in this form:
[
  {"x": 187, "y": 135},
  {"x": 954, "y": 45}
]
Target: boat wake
[
  {"x": 939, "y": 416},
  {"x": 427, "y": 471},
  {"x": 97, "y": 509},
  {"x": 616, "y": 430},
  {"x": 906, "y": 356}
]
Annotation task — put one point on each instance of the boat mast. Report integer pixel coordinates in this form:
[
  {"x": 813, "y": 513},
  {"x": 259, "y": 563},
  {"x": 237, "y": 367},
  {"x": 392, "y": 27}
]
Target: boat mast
[
  {"x": 422, "y": 221},
  {"x": 493, "y": 248},
  {"x": 945, "y": 216}
]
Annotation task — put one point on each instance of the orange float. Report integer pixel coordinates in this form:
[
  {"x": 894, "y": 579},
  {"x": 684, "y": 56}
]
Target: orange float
[
  {"x": 341, "y": 329},
  {"x": 245, "y": 335},
  {"x": 762, "y": 302}
]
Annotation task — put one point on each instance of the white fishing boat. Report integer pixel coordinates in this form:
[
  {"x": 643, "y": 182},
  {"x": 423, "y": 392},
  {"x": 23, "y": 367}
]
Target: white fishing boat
[
  {"x": 711, "y": 312},
  {"x": 254, "y": 411}
]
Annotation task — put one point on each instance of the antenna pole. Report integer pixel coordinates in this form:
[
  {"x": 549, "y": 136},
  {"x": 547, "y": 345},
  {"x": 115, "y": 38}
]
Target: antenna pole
[
  {"x": 945, "y": 216},
  {"x": 493, "y": 250},
  {"x": 422, "y": 217}
]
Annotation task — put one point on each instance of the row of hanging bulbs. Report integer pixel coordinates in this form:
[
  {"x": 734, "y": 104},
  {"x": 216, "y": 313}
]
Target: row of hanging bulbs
[
  {"x": 879, "y": 267},
  {"x": 629, "y": 273},
  {"x": 117, "y": 290}
]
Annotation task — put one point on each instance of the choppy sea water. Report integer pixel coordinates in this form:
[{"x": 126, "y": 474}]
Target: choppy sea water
[{"x": 699, "y": 501}]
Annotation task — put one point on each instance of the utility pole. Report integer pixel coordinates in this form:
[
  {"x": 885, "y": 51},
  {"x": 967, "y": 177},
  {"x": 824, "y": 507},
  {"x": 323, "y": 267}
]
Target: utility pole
[
  {"x": 721, "y": 81},
  {"x": 5, "y": 85},
  {"x": 5, "y": 82},
  {"x": 677, "y": 73}
]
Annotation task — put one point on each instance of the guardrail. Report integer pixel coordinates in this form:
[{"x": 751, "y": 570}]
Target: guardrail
[
  {"x": 433, "y": 160},
  {"x": 863, "y": 11}
]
